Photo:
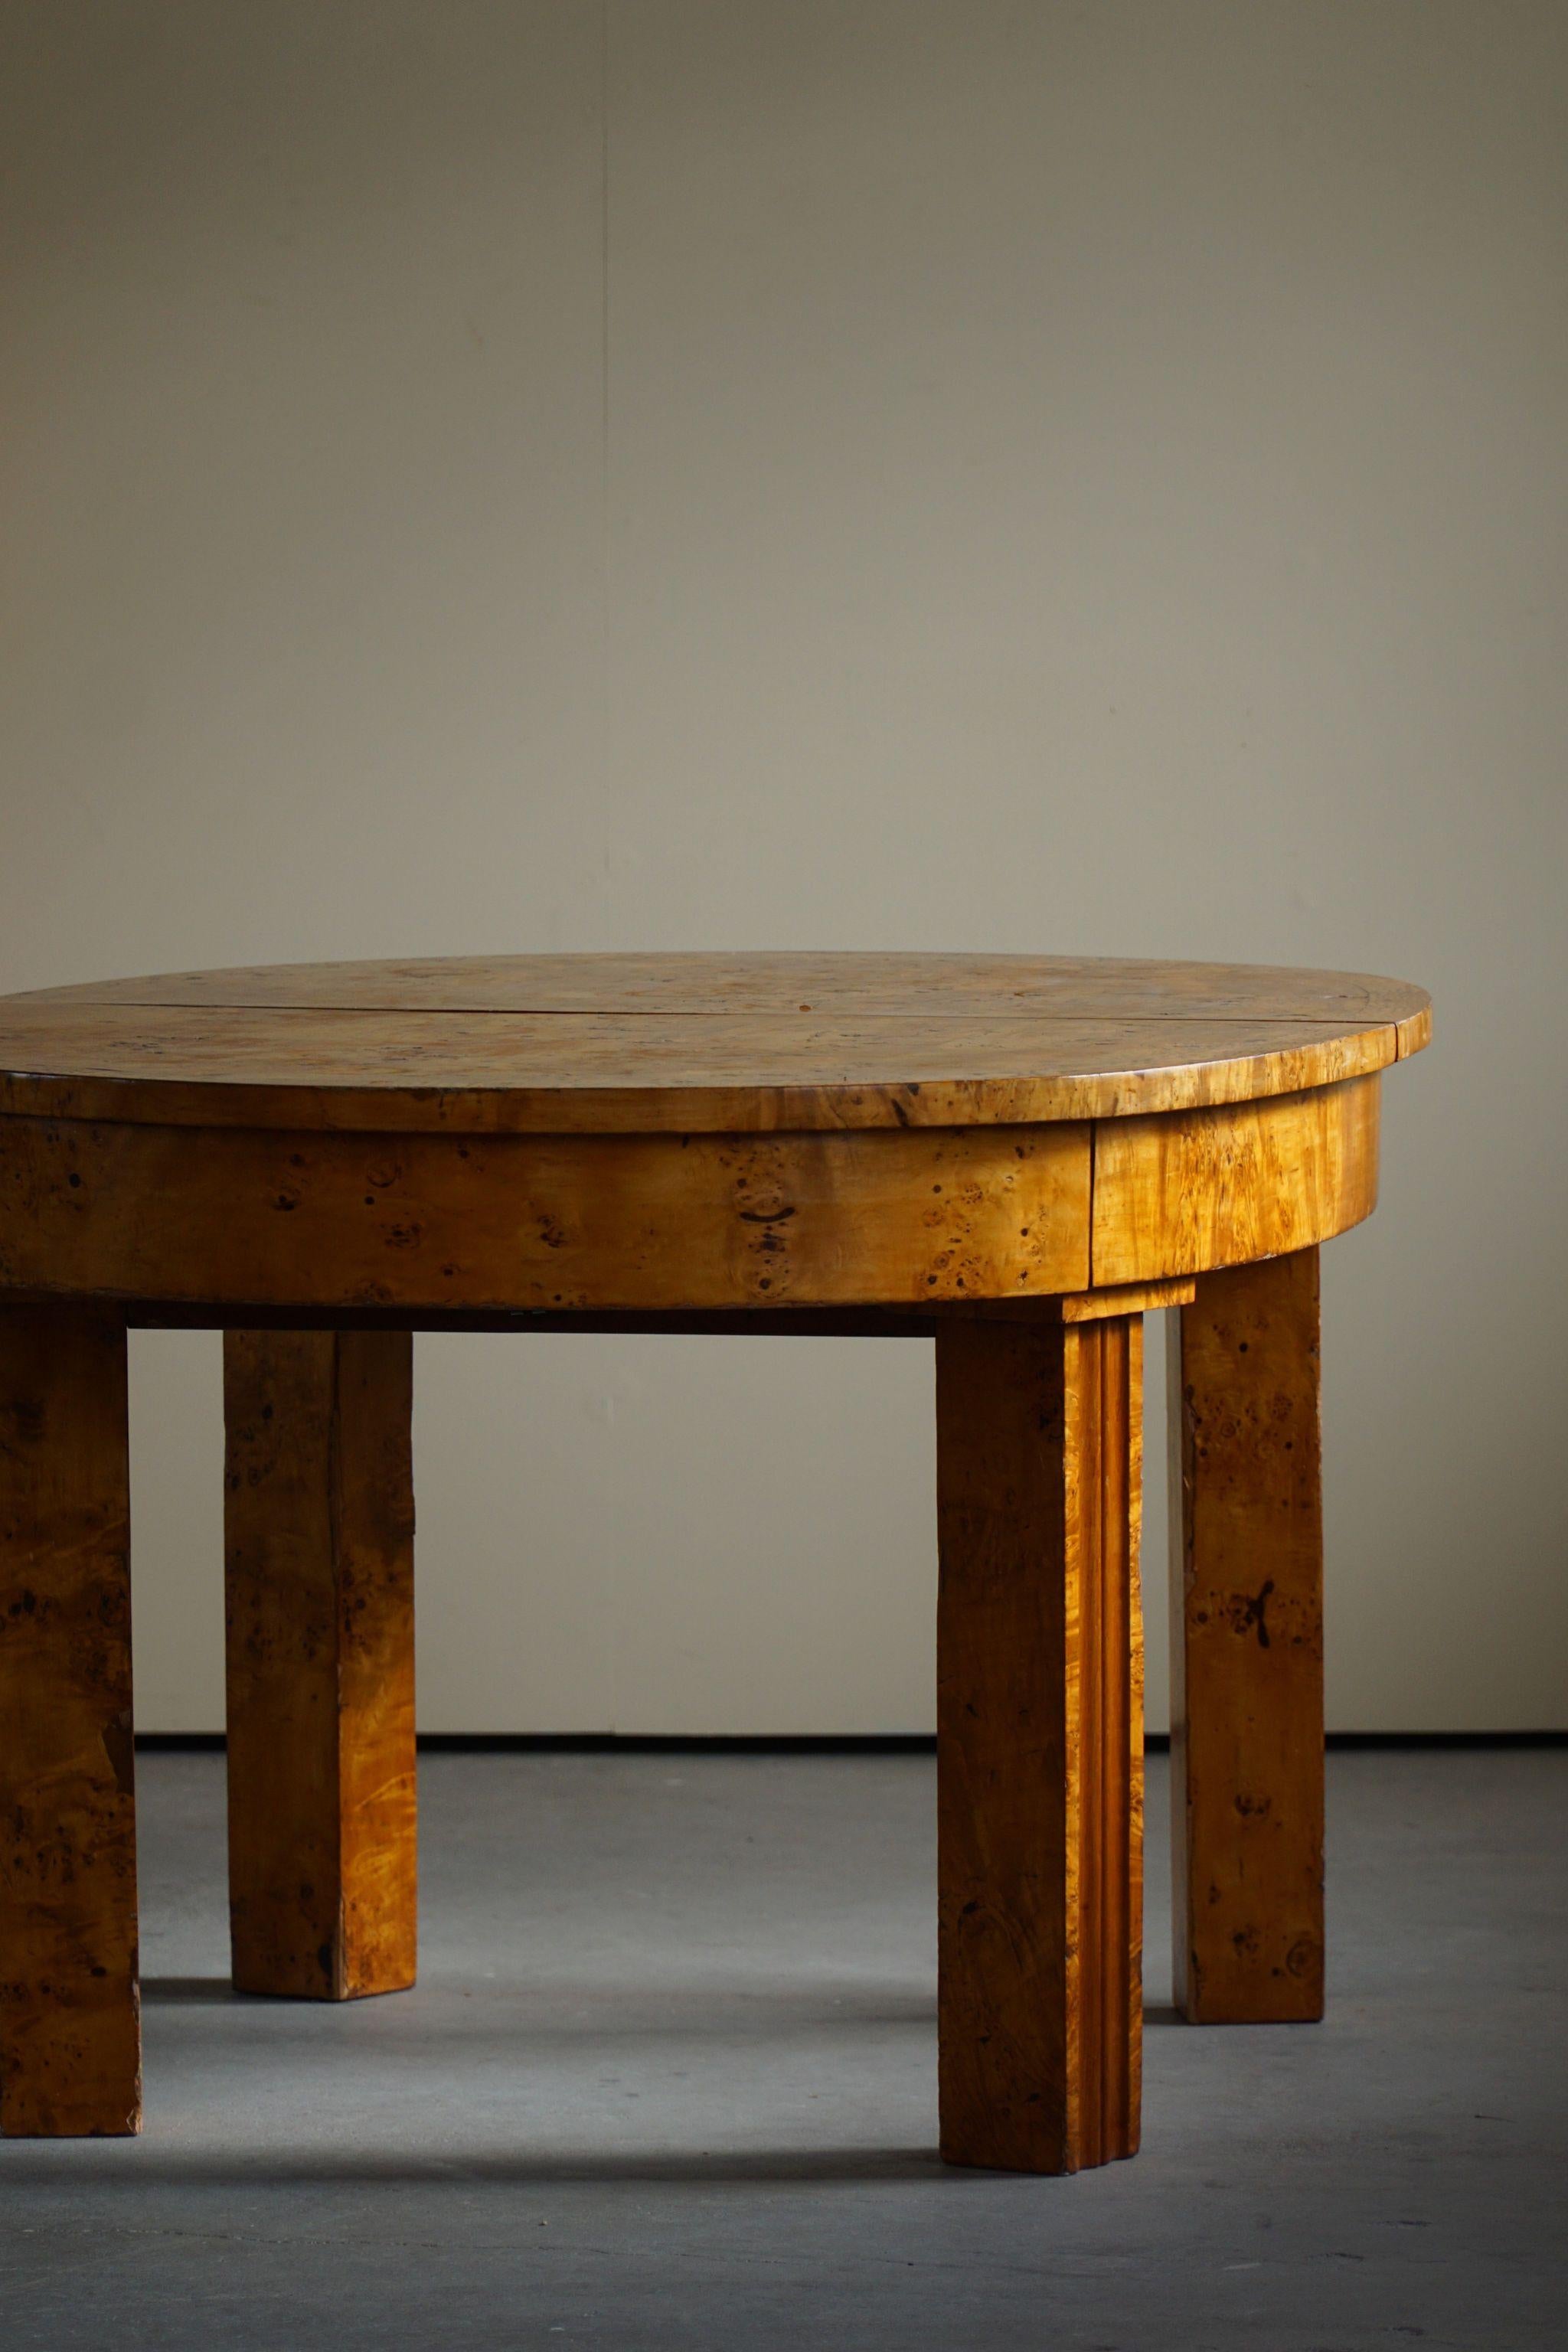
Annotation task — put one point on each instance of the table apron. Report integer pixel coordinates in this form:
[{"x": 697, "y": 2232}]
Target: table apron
[{"x": 651, "y": 1221}]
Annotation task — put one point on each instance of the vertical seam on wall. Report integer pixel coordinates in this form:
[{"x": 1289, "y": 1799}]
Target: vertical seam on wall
[
  {"x": 604, "y": 372},
  {"x": 612, "y": 1575},
  {"x": 604, "y": 318}
]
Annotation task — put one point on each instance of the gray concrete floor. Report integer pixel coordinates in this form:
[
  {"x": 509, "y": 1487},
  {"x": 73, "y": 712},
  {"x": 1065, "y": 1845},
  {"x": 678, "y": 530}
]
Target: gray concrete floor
[{"x": 668, "y": 2080}]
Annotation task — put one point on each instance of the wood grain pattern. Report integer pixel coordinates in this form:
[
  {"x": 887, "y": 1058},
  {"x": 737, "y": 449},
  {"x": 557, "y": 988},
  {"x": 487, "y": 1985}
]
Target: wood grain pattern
[
  {"x": 568, "y": 1221},
  {"x": 1125, "y": 1298},
  {"x": 70, "y": 2052},
  {"x": 1247, "y": 1623},
  {"x": 691, "y": 1044},
  {"x": 319, "y": 1550},
  {"x": 587, "y": 1074},
  {"x": 1040, "y": 1734},
  {"x": 1215, "y": 1188},
  {"x": 869, "y": 981},
  {"x": 692, "y": 1074}
]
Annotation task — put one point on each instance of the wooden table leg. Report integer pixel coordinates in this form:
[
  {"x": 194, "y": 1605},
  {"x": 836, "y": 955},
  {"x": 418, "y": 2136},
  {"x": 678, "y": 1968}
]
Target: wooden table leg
[
  {"x": 1039, "y": 1742},
  {"x": 319, "y": 1550},
  {"x": 71, "y": 2029},
  {"x": 1246, "y": 1633}
]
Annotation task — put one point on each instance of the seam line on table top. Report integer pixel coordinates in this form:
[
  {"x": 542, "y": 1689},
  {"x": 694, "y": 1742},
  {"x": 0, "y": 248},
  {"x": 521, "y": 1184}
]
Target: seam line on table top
[{"x": 721, "y": 1012}]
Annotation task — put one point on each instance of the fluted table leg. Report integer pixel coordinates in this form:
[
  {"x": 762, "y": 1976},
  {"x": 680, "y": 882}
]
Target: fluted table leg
[{"x": 1040, "y": 1738}]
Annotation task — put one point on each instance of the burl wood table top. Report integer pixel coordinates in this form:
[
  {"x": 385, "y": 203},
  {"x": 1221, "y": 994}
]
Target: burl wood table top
[{"x": 694, "y": 1043}]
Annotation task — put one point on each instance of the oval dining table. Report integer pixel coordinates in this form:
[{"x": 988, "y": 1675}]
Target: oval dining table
[{"x": 1015, "y": 1157}]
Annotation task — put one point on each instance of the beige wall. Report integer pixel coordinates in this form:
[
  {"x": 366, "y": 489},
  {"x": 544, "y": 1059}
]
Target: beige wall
[{"x": 830, "y": 472}]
